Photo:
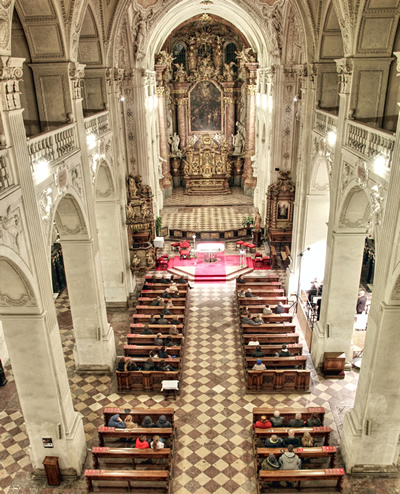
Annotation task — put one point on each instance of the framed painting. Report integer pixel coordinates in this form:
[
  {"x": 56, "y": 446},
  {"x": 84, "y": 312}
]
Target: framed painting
[
  {"x": 283, "y": 209},
  {"x": 205, "y": 108}
]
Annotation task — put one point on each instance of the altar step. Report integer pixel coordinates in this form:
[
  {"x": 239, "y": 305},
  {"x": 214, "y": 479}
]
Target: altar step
[{"x": 180, "y": 270}]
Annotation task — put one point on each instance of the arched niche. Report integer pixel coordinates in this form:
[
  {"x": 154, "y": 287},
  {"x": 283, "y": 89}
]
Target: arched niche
[
  {"x": 105, "y": 188},
  {"x": 355, "y": 210},
  {"x": 70, "y": 219}
]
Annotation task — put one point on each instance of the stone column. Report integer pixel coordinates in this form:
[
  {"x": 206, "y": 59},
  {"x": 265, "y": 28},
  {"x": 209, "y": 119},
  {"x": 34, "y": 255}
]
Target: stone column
[
  {"x": 229, "y": 105},
  {"x": 95, "y": 344},
  {"x": 166, "y": 181},
  {"x": 369, "y": 441},
  {"x": 182, "y": 103},
  {"x": 31, "y": 332},
  {"x": 251, "y": 90},
  {"x": 335, "y": 327},
  {"x": 139, "y": 112}
]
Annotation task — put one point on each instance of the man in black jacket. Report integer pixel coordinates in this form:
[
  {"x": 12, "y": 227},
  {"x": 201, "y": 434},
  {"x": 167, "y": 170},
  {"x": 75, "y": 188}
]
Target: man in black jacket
[
  {"x": 279, "y": 309},
  {"x": 258, "y": 352},
  {"x": 296, "y": 422},
  {"x": 157, "y": 301}
]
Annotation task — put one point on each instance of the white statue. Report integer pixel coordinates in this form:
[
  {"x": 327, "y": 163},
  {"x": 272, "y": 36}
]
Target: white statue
[
  {"x": 237, "y": 141},
  {"x": 174, "y": 141},
  {"x": 161, "y": 160}
]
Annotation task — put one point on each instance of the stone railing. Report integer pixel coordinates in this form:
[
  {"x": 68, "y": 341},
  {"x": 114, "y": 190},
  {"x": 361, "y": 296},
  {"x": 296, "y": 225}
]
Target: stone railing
[
  {"x": 369, "y": 142},
  {"x": 6, "y": 178},
  {"x": 325, "y": 122},
  {"x": 52, "y": 146},
  {"x": 97, "y": 124}
]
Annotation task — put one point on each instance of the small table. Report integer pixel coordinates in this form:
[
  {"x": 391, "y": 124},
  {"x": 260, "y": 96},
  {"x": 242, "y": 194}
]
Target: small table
[{"x": 170, "y": 386}]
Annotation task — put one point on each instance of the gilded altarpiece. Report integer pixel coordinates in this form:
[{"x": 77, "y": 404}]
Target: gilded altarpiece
[{"x": 203, "y": 66}]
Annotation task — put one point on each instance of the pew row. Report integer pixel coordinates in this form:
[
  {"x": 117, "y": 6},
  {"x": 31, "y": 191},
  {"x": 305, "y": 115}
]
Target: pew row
[
  {"x": 107, "y": 433},
  {"x": 175, "y": 301},
  {"x": 270, "y": 317},
  {"x": 143, "y": 351},
  {"x": 280, "y": 362},
  {"x": 148, "y": 339},
  {"x": 135, "y": 481},
  {"x": 326, "y": 452},
  {"x": 284, "y": 380},
  {"x": 154, "y": 309},
  {"x": 258, "y": 279},
  {"x": 271, "y": 339},
  {"x": 261, "y": 300},
  {"x": 335, "y": 474},
  {"x": 138, "y": 414},
  {"x": 269, "y": 328},
  {"x": 120, "y": 457},
  {"x": 129, "y": 381},
  {"x": 156, "y": 328},
  {"x": 258, "y": 309},
  {"x": 289, "y": 413},
  {"x": 321, "y": 432},
  {"x": 144, "y": 318},
  {"x": 271, "y": 350}
]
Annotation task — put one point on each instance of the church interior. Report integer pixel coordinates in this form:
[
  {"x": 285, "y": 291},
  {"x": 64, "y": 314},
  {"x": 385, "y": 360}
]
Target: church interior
[{"x": 199, "y": 226}]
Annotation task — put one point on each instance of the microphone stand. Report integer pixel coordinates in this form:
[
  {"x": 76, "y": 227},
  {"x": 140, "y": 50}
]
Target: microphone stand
[{"x": 299, "y": 280}]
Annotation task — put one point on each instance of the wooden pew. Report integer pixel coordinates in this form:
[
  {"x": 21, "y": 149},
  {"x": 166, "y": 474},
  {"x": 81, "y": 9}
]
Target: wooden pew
[
  {"x": 271, "y": 339},
  {"x": 274, "y": 257},
  {"x": 104, "y": 433},
  {"x": 280, "y": 362},
  {"x": 144, "y": 339},
  {"x": 129, "y": 456},
  {"x": 269, "y": 328},
  {"x": 123, "y": 480},
  {"x": 299, "y": 476},
  {"x": 147, "y": 278},
  {"x": 257, "y": 309},
  {"x": 150, "y": 309},
  {"x": 266, "y": 278},
  {"x": 130, "y": 381},
  {"x": 294, "y": 349},
  {"x": 289, "y": 413},
  {"x": 142, "y": 350},
  {"x": 265, "y": 292},
  {"x": 258, "y": 284},
  {"x": 138, "y": 414},
  {"x": 162, "y": 286},
  {"x": 282, "y": 380},
  {"x": 156, "y": 328},
  {"x": 143, "y": 318},
  {"x": 154, "y": 293},
  {"x": 328, "y": 452},
  {"x": 175, "y": 301},
  {"x": 270, "y": 317},
  {"x": 322, "y": 432},
  {"x": 261, "y": 300}
]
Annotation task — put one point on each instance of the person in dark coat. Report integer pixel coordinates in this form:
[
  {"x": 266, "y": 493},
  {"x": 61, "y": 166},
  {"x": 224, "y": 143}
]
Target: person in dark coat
[
  {"x": 277, "y": 420},
  {"x": 162, "y": 353},
  {"x": 158, "y": 341},
  {"x": 147, "y": 330},
  {"x": 273, "y": 442},
  {"x": 152, "y": 320},
  {"x": 168, "y": 342},
  {"x": 258, "y": 352},
  {"x": 132, "y": 366},
  {"x": 284, "y": 352},
  {"x": 182, "y": 280},
  {"x": 240, "y": 279},
  {"x": 149, "y": 365},
  {"x": 157, "y": 301},
  {"x": 163, "y": 320},
  {"x": 147, "y": 422},
  {"x": 166, "y": 295},
  {"x": 121, "y": 365},
  {"x": 166, "y": 312},
  {"x": 291, "y": 439},
  {"x": 117, "y": 422},
  {"x": 279, "y": 309},
  {"x": 249, "y": 294},
  {"x": 165, "y": 280},
  {"x": 163, "y": 423},
  {"x": 296, "y": 422},
  {"x": 163, "y": 367},
  {"x": 253, "y": 322},
  {"x": 361, "y": 302},
  {"x": 313, "y": 421}
]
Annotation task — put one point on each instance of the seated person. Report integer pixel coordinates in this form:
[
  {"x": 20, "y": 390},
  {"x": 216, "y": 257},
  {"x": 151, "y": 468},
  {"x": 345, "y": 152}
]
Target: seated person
[
  {"x": 241, "y": 293},
  {"x": 273, "y": 442},
  {"x": 296, "y": 422},
  {"x": 244, "y": 311},
  {"x": 258, "y": 352},
  {"x": 284, "y": 352},
  {"x": 258, "y": 319},
  {"x": 253, "y": 322},
  {"x": 153, "y": 279},
  {"x": 153, "y": 354},
  {"x": 121, "y": 365},
  {"x": 157, "y": 443},
  {"x": 130, "y": 424},
  {"x": 259, "y": 365},
  {"x": 175, "y": 321},
  {"x": 117, "y": 422},
  {"x": 158, "y": 340},
  {"x": 166, "y": 294},
  {"x": 156, "y": 301},
  {"x": 141, "y": 443},
  {"x": 175, "y": 295},
  {"x": 307, "y": 441},
  {"x": 249, "y": 293},
  {"x": 277, "y": 420},
  {"x": 253, "y": 342},
  {"x": 165, "y": 280},
  {"x": 163, "y": 320},
  {"x": 163, "y": 423},
  {"x": 163, "y": 367},
  {"x": 263, "y": 423},
  {"x": 279, "y": 309},
  {"x": 313, "y": 421},
  {"x": 267, "y": 309},
  {"x": 182, "y": 280},
  {"x": 162, "y": 353},
  {"x": 152, "y": 320},
  {"x": 149, "y": 365},
  {"x": 289, "y": 460},
  {"x": 239, "y": 279},
  {"x": 132, "y": 366},
  {"x": 168, "y": 342},
  {"x": 291, "y": 439},
  {"x": 166, "y": 312},
  {"x": 147, "y": 330},
  {"x": 147, "y": 422},
  {"x": 172, "y": 288},
  {"x": 173, "y": 330}
]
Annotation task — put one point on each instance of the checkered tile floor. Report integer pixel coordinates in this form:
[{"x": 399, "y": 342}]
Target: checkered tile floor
[{"x": 213, "y": 452}]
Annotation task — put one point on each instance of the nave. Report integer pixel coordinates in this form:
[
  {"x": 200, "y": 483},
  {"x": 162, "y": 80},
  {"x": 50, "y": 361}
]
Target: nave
[{"x": 213, "y": 411}]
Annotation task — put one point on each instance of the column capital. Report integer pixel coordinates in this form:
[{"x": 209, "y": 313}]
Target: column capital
[
  {"x": 76, "y": 74},
  {"x": 344, "y": 67},
  {"x": 11, "y": 73}
]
